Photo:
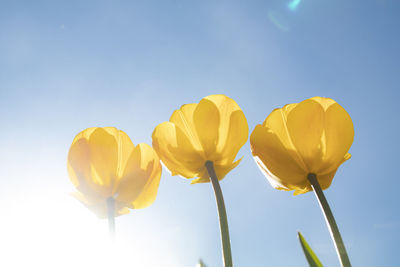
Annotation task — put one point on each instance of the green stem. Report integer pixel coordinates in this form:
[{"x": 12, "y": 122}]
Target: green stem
[
  {"x": 223, "y": 220},
  {"x": 330, "y": 221},
  {"x": 111, "y": 217}
]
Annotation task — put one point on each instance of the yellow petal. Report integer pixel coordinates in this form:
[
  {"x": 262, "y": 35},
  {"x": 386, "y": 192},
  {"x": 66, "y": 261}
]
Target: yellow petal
[
  {"x": 223, "y": 169},
  {"x": 305, "y": 123},
  {"x": 134, "y": 177},
  {"x": 125, "y": 147},
  {"x": 104, "y": 159},
  {"x": 176, "y": 151},
  {"x": 272, "y": 179},
  {"x": 207, "y": 122},
  {"x": 277, "y": 122},
  {"x": 79, "y": 168},
  {"x": 183, "y": 118},
  {"x": 149, "y": 191},
  {"x": 84, "y": 134},
  {"x": 324, "y": 101},
  {"x": 325, "y": 180},
  {"x": 79, "y": 162},
  {"x": 226, "y": 107},
  {"x": 339, "y": 135},
  {"x": 277, "y": 160},
  {"x": 142, "y": 176},
  {"x": 237, "y": 136}
]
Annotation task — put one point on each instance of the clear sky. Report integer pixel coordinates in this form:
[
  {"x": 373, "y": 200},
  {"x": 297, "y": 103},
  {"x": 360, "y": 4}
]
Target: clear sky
[{"x": 69, "y": 65}]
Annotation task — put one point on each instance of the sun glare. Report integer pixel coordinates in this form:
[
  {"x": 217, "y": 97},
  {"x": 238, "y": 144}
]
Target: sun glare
[{"x": 54, "y": 230}]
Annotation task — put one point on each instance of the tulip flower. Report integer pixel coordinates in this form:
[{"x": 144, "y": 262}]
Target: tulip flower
[
  {"x": 313, "y": 136},
  {"x": 300, "y": 147},
  {"x": 202, "y": 140},
  {"x": 111, "y": 174},
  {"x": 214, "y": 129}
]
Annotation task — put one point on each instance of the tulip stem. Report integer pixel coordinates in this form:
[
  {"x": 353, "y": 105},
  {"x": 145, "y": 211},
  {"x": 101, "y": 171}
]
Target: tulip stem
[
  {"x": 330, "y": 221},
  {"x": 111, "y": 217},
  {"x": 223, "y": 220}
]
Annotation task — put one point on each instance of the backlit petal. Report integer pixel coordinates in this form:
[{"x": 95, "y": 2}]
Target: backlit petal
[
  {"x": 176, "y": 151},
  {"x": 125, "y": 147},
  {"x": 223, "y": 169},
  {"x": 141, "y": 178},
  {"x": 272, "y": 179},
  {"x": 238, "y": 133},
  {"x": 325, "y": 180},
  {"x": 134, "y": 178},
  {"x": 183, "y": 118},
  {"x": 84, "y": 134},
  {"x": 277, "y": 122},
  {"x": 207, "y": 122},
  {"x": 104, "y": 159},
  {"x": 339, "y": 135},
  {"x": 269, "y": 149},
  {"x": 305, "y": 123},
  {"x": 80, "y": 170},
  {"x": 226, "y": 106},
  {"x": 79, "y": 162},
  {"x": 149, "y": 191}
]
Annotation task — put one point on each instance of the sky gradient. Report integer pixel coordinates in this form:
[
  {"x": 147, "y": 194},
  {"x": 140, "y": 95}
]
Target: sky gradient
[{"x": 69, "y": 65}]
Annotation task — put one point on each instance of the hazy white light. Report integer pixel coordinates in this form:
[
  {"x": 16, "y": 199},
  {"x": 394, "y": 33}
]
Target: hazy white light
[{"x": 54, "y": 230}]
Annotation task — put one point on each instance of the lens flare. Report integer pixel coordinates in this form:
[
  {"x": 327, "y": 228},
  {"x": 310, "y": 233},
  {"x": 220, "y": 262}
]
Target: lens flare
[{"x": 294, "y": 4}]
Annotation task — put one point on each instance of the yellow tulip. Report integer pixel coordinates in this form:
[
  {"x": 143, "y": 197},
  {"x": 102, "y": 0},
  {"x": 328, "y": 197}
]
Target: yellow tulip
[
  {"x": 103, "y": 163},
  {"x": 212, "y": 130},
  {"x": 311, "y": 137}
]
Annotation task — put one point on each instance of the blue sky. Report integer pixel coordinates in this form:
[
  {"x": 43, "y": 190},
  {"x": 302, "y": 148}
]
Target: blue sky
[{"x": 69, "y": 65}]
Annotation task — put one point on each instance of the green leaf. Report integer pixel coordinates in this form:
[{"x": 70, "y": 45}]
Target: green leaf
[
  {"x": 312, "y": 259},
  {"x": 201, "y": 264}
]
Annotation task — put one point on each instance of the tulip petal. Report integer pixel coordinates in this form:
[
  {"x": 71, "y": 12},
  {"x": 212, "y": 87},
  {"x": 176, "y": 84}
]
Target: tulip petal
[
  {"x": 237, "y": 136},
  {"x": 183, "y": 118},
  {"x": 226, "y": 106},
  {"x": 272, "y": 179},
  {"x": 141, "y": 177},
  {"x": 207, "y": 121},
  {"x": 79, "y": 168},
  {"x": 149, "y": 191},
  {"x": 84, "y": 134},
  {"x": 267, "y": 146},
  {"x": 125, "y": 147},
  {"x": 277, "y": 122},
  {"x": 325, "y": 180},
  {"x": 134, "y": 178},
  {"x": 339, "y": 135},
  {"x": 176, "y": 151},
  {"x": 223, "y": 169},
  {"x": 305, "y": 123},
  {"x": 104, "y": 159},
  {"x": 79, "y": 162}
]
